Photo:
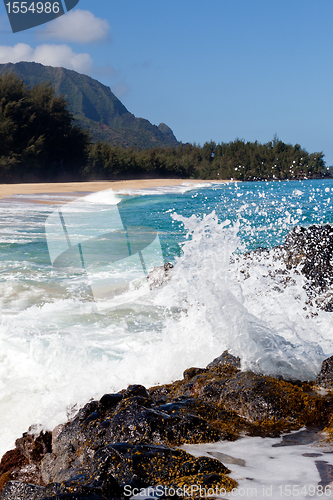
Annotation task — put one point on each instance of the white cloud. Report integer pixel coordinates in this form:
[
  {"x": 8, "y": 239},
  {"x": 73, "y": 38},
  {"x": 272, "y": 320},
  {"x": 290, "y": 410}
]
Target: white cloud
[
  {"x": 77, "y": 26},
  {"x": 47, "y": 54}
]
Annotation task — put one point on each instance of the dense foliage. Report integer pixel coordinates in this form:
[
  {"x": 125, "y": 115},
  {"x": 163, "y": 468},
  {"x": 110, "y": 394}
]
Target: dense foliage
[
  {"x": 238, "y": 160},
  {"x": 39, "y": 141}
]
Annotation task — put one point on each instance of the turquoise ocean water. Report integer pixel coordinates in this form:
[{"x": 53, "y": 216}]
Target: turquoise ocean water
[{"x": 62, "y": 344}]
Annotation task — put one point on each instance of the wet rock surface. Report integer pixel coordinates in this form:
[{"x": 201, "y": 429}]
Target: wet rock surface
[
  {"x": 325, "y": 376},
  {"x": 130, "y": 439},
  {"x": 312, "y": 248},
  {"x": 308, "y": 251}
]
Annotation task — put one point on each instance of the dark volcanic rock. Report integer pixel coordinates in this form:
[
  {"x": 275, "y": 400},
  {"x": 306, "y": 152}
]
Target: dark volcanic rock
[
  {"x": 325, "y": 376},
  {"x": 306, "y": 250},
  {"x": 192, "y": 372},
  {"x": 136, "y": 418},
  {"x": 127, "y": 440},
  {"x": 10, "y": 463},
  {"x": 16, "y": 490},
  {"x": 11, "y": 460},
  {"x": 310, "y": 250},
  {"x": 260, "y": 398},
  {"x": 153, "y": 464},
  {"x": 235, "y": 401},
  {"x": 312, "y": 247},
  {"x": 207, "y": 383},
  {"x": 77, "y": 496},
  {"x": 225, "y": 359},
  {"x": 118, "y": 468},
  {"x": 34, "y": 445}
]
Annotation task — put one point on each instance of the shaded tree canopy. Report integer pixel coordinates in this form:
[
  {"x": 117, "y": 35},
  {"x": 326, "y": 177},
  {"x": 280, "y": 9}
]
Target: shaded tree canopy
[
  {"x": 238, "y": 160},
  {"x": 38, "y": 137}
]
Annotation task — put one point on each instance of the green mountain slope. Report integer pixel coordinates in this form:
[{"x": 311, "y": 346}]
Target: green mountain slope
[{"x": 95, "y": 107}]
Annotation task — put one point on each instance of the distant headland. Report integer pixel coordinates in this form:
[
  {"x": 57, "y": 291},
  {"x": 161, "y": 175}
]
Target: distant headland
[{"x": 57, "y": 125}]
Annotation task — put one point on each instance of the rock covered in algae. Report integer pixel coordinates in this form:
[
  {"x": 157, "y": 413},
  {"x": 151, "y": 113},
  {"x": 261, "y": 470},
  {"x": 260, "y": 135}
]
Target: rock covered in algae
[
  {"x": 121, "y": 469},
  {"x": 128, "y": 439},
  {"x": 34, "y": 445},
  {"x": 243, "y": 401}
]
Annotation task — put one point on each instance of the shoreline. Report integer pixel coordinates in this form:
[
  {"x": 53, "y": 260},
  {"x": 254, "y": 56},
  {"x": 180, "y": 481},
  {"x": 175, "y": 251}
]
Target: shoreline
[
  {"x": 83, "y": 188},
  {"x": 181, "y": 436}
]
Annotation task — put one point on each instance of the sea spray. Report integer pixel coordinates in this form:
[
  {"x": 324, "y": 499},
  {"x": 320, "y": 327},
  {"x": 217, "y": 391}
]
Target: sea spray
[
  {"x": 57, "y": 350},
  {"x": 266, "y": 326}
]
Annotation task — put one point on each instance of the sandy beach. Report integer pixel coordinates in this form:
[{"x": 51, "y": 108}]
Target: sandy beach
[{"x": 83, "y": 188}]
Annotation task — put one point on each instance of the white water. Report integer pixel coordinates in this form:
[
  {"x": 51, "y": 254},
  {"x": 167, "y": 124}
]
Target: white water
[
  {"x": 59, "y": 350},
  {"x": 270, "y": 468}
]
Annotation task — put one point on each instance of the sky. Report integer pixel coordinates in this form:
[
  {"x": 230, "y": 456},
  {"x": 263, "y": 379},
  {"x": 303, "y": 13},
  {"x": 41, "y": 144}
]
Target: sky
[{"x": 210, "y": 69}]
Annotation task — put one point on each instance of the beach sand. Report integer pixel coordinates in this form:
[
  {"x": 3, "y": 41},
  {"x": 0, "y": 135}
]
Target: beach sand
[{"x": 35, "y": 191}]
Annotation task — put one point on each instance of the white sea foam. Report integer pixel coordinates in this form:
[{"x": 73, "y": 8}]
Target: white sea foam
[
  {"x": 298, "y": 192},
  {"x": 106, "y": 197},
  {"x": 179, "y": 188},
  {"x": 258, "y": 317},
  {"x": 58, "y": 350},
  {"x": 265, "y": 469}
]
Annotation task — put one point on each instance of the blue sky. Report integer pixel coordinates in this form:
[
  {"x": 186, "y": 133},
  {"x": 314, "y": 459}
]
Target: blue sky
[{"x": 210, "y": 69}]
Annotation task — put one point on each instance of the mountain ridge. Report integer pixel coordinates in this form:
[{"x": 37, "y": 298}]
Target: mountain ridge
[{"x": 95, "y": 107}]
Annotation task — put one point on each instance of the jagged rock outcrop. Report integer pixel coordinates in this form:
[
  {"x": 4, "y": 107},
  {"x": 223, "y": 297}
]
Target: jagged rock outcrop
[
  {"x": 128, "y": 440},
  {"x": 312, "y": 248},
  {"x": 325, "y": 376},
  {"x": 306, "y": 250}
]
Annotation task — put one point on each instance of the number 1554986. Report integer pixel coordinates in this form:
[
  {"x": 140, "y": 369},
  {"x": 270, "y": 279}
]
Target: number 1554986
[{"x": 33, "y": 7}]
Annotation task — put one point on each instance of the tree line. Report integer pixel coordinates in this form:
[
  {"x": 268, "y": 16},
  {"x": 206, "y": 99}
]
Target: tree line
[
  {"x": 40, "y": 141},
  {"x": 246, "y": 161}
]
